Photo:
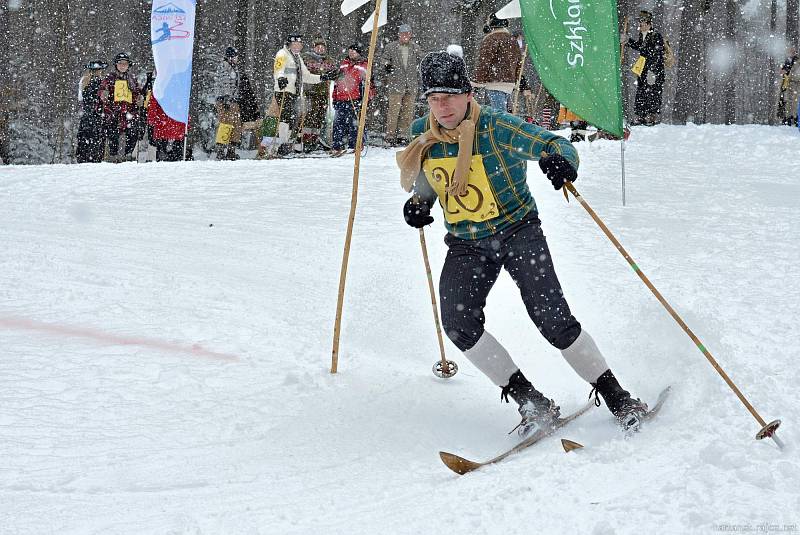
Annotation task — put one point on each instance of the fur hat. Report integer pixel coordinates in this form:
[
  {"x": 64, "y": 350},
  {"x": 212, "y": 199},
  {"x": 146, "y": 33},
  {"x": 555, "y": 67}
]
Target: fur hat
[
  {"x": 96, "y": 65},
  {"x": 442, "y": 72},
  {"x": 358, "y": 47},
  {"x": 492, "y": 23}
]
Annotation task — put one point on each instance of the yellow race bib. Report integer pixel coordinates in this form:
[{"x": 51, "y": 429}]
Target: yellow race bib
[
  {"x": 122, "y": 93},
  {"x": 224, "y": 131},
  {"x": 638, "y": 67},
  {"x": 280, "y": 61},
  {"x": 479, "y": 204}
]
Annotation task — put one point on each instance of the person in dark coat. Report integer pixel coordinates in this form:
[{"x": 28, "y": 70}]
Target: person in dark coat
[
  {"x": 649, "y": 71},
  {"x": 91, "y": 135}
]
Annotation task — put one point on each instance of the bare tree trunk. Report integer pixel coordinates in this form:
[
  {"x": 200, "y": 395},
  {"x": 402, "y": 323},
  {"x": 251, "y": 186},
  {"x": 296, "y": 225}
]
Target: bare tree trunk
[
  {"x": 729, "y": 92},
  {"x": 5, "y": 86},
  {"x": 774, "y": 84},
  {"x": 691, "y": 65},
  {"x": 792, "y": 9},
  {"x": 240, "y": 30}
]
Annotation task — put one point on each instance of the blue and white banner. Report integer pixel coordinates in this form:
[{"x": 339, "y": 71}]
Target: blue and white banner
[{"x": 172, "y": 37}]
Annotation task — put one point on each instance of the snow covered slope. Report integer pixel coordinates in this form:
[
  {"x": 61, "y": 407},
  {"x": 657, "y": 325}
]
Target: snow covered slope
[{"x": 165, "y": 340}]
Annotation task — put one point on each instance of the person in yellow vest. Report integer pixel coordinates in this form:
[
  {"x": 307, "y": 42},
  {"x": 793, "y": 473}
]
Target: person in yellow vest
[
  {"x": 226, "y": 91},
  {"x": 122, "y": 97}
]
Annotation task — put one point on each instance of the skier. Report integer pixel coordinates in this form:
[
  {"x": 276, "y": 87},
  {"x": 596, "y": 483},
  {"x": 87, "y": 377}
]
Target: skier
[
  {"x": 91, "y": 135},
  {"x": 121, "y": 96},
  {"x": 347, "y": 94},
  {"x": 290, "y": 73},
  {"x": 226, "y": 91},
  {"x": 474, "y": 160},
  {"x": 649, "y": 71}
]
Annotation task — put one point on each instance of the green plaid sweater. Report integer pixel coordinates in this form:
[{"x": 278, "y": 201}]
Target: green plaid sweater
[{"x": 505, "y": 144}]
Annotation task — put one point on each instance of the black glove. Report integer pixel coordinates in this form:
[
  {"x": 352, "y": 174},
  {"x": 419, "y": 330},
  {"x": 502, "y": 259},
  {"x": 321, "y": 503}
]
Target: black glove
[
  {"x": 282, "y": 83},
  {"x": 558, "y": 170},
  {"x": 329, "y": 76},
  {"x": 417, "y": 215},
  {"x": 389, "y": 68}
]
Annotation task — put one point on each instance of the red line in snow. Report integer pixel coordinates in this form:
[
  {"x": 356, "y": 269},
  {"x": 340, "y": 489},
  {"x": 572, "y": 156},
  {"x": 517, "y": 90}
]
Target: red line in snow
[{"x": 100, "y": 336}]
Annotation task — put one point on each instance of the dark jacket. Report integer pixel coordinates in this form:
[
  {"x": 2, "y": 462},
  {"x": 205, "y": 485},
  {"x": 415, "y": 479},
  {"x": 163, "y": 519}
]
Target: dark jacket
[
  {"x": 652, "y": 48},
  {"x": 499, "y": 58}
]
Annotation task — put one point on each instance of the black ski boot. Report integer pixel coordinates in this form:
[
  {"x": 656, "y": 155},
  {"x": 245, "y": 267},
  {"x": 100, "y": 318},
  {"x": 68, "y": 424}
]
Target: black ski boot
[
  {"x": 536, "y": 410},
  {"x": 628, "y": 411}
]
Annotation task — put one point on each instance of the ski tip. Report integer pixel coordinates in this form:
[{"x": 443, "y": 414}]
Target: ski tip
[
  {"x": 569, "y": 445},
  {"x": 457, "y": 464}
]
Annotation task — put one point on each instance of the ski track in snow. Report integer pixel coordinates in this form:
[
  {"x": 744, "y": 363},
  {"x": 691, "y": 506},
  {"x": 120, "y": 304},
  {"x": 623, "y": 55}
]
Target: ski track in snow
[{"x": 242, "y": 259}]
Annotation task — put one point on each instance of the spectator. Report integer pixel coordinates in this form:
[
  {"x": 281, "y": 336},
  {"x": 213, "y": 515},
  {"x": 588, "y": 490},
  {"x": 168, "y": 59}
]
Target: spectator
[
  {"x": 121, "y": 96},
  {"x": 790, "y": 86},
  {"x": 229, "y": 116},
  {"x": 498, "y": 63},
  {"x": 318, "y": 62},
  {"x": 400, "y": 61},
  {"x": 649, "y": 71},
  {"x": 91, "y": 133},
  {"x": 290, "y": 73},
  {"x": 347, "y": 94}
]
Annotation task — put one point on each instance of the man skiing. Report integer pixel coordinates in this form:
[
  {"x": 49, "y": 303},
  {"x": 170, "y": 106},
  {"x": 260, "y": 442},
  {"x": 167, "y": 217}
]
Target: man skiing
[{"x": 474, "y": 160}]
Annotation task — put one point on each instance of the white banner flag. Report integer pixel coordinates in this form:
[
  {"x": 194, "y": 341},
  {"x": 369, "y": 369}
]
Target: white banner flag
[{"x": 172, "y": 37}]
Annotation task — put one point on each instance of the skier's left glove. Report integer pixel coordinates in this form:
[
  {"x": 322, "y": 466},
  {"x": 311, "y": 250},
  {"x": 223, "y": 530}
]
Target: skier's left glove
[{"x": 558, "y": 170}]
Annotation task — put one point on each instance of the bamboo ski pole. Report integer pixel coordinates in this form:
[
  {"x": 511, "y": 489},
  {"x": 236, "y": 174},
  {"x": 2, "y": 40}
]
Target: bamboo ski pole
[
  {"x": 767, "y": 429},
  {"x": 443, "y": 368},
  {"x": 519, "y": 80},
  {"x": 354, "y": 196}
]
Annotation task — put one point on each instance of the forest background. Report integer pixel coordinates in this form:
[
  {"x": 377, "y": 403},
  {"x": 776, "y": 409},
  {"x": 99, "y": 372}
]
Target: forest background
[{"x": 728, "y": 55}]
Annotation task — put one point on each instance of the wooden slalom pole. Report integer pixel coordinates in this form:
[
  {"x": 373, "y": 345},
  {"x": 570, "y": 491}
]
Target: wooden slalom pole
[
  {"x": 337, "y": 327},
  {"x": 519, "y": 80},
  {"x": 767, "y": 429}
]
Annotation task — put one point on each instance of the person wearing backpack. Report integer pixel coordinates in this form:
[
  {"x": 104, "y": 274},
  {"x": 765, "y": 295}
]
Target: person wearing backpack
[{"x": 649, "y": 71}]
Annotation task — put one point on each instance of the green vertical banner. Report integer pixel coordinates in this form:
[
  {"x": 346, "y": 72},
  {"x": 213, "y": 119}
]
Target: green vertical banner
[{"x": 574, "y": 45}]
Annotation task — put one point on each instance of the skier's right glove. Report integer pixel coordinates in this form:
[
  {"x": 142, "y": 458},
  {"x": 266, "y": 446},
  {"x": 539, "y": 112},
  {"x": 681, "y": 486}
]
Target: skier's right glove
[
  {"x": 558, "y": 170},
  {"x": 282, "y": 83},
  {"x": 389, "y": 68},
  {"x": 417, "y": 212}
]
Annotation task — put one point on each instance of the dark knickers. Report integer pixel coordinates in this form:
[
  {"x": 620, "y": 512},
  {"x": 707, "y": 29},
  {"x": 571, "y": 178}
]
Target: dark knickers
[{"x": 472, "y": 267}]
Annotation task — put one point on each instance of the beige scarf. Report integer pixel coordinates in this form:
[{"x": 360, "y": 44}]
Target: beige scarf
[{"x": 410, "y": 159}]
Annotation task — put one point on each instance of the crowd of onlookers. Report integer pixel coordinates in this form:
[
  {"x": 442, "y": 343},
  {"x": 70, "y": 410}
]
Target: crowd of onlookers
[{"x": 316, "y": 98}]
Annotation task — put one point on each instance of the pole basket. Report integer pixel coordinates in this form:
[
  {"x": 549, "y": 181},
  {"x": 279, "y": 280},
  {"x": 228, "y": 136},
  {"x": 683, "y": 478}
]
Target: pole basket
[
  {"x": 439, "y": 370},
  {"x": 768, "y": 431}
]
